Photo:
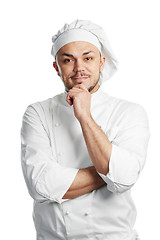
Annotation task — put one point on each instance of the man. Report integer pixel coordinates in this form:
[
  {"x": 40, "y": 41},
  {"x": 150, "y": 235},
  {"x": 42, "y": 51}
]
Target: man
[{"x": 83, "y": 150}]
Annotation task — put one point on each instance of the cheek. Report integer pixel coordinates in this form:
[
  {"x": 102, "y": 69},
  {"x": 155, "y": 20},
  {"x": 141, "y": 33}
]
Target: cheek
[
  {"x": 94, "y": 68},
  {"x": 66, "y": 70}
]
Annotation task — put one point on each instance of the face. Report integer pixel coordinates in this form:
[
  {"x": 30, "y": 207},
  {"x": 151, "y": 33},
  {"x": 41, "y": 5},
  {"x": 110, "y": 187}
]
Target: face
[{"x": 79, "y": 62}]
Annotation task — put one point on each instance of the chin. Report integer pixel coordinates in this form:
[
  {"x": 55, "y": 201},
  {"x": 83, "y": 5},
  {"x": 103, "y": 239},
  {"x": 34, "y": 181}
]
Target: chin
[{"x": 96, "y": 86}]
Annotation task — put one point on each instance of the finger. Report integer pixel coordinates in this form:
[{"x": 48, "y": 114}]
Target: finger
[
  {"x": 72, "y": 94},
  {"x": 69, "y": 99},
  {"x": 80, "y": 86},
  {"x": 76, "y": 90}
]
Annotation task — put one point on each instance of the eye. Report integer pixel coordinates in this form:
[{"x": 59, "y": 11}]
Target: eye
[
  {"x": 88, "y": 58},
  {"x": 67, "y": 60}
]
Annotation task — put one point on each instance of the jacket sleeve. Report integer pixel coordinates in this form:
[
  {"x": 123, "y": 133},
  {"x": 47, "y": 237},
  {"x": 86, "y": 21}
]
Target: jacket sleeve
[
  {"x": 129, "y": 138},
  {"x": 45, "y": 178}
]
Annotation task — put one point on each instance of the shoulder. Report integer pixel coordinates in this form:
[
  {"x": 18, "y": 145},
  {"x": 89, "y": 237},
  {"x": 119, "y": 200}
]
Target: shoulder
[
  {"x": 124, "y": 110},
  {"x": 44, "y": 105},
  {"x": 42, "y": 110}
]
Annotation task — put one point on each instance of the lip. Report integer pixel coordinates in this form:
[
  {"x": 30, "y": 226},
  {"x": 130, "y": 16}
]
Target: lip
[{"x": 80, "y": 78}]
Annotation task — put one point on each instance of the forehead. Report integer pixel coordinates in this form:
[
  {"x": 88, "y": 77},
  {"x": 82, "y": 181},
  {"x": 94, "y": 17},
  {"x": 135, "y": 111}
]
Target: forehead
[{"x": 78, "y": 47}]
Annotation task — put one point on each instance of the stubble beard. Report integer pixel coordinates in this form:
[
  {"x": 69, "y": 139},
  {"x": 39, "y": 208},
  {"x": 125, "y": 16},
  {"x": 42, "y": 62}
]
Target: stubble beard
[
  {"x": 68, "y": 87},
  {"x": 93, "y": 86}
]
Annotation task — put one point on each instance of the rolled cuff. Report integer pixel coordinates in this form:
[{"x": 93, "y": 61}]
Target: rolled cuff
[
  {"x": 55, "y": 182},
  {"x": 110, "y": 184},
  {"x": 124, "y": 169}
]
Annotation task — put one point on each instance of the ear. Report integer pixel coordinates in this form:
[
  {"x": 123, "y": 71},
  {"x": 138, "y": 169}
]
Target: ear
[
  {"x": 56, "y": 68},
  {"x": 102, "y": 62}
]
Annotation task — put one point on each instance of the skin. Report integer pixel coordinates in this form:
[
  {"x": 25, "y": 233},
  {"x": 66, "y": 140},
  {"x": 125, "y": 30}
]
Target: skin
[{"x": 79, "y": 64}]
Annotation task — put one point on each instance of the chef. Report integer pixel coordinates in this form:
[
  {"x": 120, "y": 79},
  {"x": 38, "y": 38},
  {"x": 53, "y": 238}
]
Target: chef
[{"x": 83, "y": 150}]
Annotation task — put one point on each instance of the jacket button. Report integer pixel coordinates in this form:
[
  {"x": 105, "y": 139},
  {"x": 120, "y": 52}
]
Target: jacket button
[
  {"x": 57, "y": 124},
  {"x": 86, "y": 214},
  {"x": 67, "y": 213}
]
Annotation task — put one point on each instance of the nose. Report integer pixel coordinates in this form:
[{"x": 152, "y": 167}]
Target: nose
[{"x": 79, "y": 66}]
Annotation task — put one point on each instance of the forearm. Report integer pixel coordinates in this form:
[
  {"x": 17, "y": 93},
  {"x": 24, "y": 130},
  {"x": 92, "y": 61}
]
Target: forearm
[
  {"x": 86, "y": 180},
  {"x": 98, "y": 145}
]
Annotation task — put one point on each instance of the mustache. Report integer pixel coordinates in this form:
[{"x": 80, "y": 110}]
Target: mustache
[{"x": 80, "y": 75}]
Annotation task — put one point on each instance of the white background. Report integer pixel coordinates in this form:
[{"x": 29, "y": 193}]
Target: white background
[{"x": 27, "y": 76}]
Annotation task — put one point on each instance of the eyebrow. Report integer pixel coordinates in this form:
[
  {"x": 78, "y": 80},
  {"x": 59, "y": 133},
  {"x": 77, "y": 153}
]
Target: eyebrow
[{"x": 70, "y": 55}]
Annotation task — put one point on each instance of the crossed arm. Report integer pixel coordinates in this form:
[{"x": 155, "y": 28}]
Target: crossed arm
[
  {"x": 86, "y": 180},
  {"x": 46, "y": 179},
  {"x": 99, "y": 149},
  {"x": 41, "y": 172}
]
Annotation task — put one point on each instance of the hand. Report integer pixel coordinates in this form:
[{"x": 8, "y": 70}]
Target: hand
[{"x": 81, "y": 100}]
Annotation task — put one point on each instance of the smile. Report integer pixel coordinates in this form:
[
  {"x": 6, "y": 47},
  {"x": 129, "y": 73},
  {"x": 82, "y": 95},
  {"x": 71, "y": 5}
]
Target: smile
[{"x": 83, "y": 78}]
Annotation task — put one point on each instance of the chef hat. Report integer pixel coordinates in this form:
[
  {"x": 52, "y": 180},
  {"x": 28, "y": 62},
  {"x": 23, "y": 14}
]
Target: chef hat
[{"x": 82, "y": 30}]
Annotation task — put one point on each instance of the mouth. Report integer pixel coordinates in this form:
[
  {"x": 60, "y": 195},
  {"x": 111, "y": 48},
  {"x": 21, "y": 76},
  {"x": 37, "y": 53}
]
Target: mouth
[{"x": 80, "y": 79}]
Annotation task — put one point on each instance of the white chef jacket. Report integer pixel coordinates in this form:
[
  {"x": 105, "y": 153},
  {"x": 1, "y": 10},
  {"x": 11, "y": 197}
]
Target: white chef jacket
[{"x": 54, "y": 149}]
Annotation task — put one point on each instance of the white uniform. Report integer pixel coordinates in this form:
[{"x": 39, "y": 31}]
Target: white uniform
[{"x": 53, "y": 149}]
